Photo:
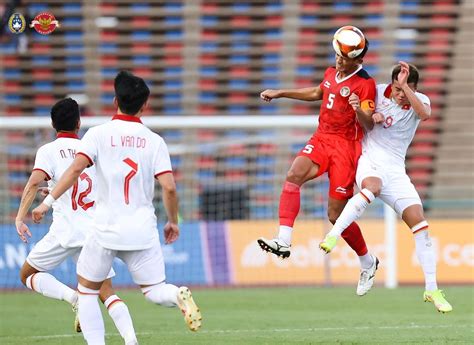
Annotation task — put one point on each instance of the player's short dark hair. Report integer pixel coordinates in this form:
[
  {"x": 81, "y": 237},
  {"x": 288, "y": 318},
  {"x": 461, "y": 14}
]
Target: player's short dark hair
[
  {"x": 131, "y": 92},
  {"x": 65, "y": 115},
  {"x": 413, "y": 74}
]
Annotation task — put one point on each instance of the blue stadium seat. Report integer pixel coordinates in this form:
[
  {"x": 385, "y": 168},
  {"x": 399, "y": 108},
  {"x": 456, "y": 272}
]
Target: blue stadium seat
[
  {"x": 208, "y": 97},
  {"x": 274, "y": 7},
  {"x": 141, "y": 35},
  {"x": 174, "y": 35},
  {"x": 142, "y": 60},
  {"x": 271, "y": 58},
  {"x": 140, "y": 7},
  {"x": 305, "y": 70},
  {"x": 41, "y": 111},
  {"x": 11, "y": 73},
  {"x": 342, "y": 6},
  {"x": 37, "y": 8},
  {"x": 239, "y": 59},
  {"x": 240, "y": 46},
  {"x": 238, "y": 84},
  {"x": 170, "y": 97},
  {"x": 72, "y": 7},
  {"x": 76, "y": 85},
  {"x": 11, "y": 99},
  {"x": 173, "y": 84},
  {"x": 269, "y": 109},
  {"x": 43, "y": 86},
  {"x": 173, "y": 71},
  {"x": 236, "y": 162},
  {"x": 208, "y": 71},
  {"x": 309, "y": 19},
  {"x": 172, "y": 110},
  {"x": 173, "y": 6},
  {"x": 270, "y": 83},
  {"x": 242, "y": 7},
  {"x": 74, "y": 60},
  {"x": 107, "y": 98},
  {"x": 74, "y": 48},
  {"x": 108, "y": 47},
  {"x": 173, "y": 20},
  {"x": 72, "y": 36},
  {"x": 272, "y": 70},
  {"x": 109, "y": 72},
  {"x": 209, "y": 47},
  {"x": 41, "y": 60},
  {"x": 209, "y": 21},
  {"x": 70, "y": 22}
]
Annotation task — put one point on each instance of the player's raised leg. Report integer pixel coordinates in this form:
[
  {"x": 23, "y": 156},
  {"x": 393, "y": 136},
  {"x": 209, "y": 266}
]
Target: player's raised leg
[
  {"x": 352, "y": 211},
  {"x": 46, "y": 284},
  {"x": 414, "y": 218},
  {"x": 302, "y": 170}
]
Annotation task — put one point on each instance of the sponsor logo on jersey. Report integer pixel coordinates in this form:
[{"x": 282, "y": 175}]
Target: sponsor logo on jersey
[
  {"x": 44, "y": 23},
  {"x": 327, "y": 84},
  {"x": 341, "y": 190},
  {"x": 17, "y": 23},
  {"x": 345, "y": 91}
]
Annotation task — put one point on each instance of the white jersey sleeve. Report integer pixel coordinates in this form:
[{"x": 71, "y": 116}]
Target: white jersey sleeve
[
  {"x": 162, "y": 162},
  {"x": 42, "y": 162}
]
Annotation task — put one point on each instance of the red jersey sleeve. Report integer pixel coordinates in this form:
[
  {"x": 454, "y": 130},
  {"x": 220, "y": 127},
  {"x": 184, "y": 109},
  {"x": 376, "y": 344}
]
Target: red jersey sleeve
[{"x": 367, "y": 94}]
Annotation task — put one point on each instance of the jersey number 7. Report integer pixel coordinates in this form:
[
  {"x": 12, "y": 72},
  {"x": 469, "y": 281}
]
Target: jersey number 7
[{"x": 133, "y": 172}]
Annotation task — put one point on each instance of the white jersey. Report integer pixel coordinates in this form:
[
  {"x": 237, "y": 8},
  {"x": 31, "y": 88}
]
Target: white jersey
[
  {"x": 387, "y": 143},
  {"x": 72, "y": 212},
  {"x": 128, "y": 156}
]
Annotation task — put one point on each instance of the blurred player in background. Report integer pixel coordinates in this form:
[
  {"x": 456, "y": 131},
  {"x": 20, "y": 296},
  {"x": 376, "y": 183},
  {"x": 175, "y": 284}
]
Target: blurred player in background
[
  {"x": 72, "y": 219},
  {"x": 128, "y": 157},
  {"x": 334, "y": 148},
  {"x": 381, "y": 170}
]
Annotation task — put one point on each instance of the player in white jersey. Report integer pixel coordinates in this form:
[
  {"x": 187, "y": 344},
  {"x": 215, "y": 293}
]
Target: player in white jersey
[
  {"x": 381, "y": 171},
  {"x": 72, "y": 219},
  {"x": 128, "y": 157}
]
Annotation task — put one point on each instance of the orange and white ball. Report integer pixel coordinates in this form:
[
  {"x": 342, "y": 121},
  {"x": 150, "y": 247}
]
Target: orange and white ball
[{"x": 349, "y": 41}]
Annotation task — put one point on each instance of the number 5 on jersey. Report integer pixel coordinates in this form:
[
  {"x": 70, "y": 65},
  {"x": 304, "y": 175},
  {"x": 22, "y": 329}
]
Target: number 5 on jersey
[
  {"x": 133, "y": 172},
  {"x": 330, "y": 102}
]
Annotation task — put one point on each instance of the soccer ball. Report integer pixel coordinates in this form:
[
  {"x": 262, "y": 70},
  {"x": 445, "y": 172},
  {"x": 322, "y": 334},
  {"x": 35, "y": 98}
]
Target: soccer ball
[{"x": 349, "y": 42}]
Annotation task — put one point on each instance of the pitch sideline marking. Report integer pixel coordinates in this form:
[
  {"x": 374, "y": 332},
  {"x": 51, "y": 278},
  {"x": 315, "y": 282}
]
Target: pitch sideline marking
[{"x": 220, "y": 331}]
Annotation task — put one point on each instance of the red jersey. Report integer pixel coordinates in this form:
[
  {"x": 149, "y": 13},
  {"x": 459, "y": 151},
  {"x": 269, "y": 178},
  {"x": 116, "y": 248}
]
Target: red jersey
[{"x": 336, "y": 115}]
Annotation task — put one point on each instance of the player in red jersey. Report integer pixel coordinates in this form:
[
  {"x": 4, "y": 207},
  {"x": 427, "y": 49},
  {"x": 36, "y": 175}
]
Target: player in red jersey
[{"x": 334, "y": 148}]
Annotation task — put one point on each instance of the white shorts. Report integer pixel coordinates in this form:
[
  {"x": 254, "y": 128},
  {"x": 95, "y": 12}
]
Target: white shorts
[
  {"x": 397, "y": 190},
  {"x": 145, "y": 266},
  {"x": 48, "y": 254}
]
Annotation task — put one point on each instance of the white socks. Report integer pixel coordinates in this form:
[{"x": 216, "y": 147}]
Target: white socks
[
  {"x": 163, "y": 294},
  {"x": 119, "y": 313},
  {"x": 425, "y": 254},
  {"x": 285, "y": 234},
  {"x": 90, "y": 316},
  {"x": 366, "y": 261},
  {"x": 45, "y": 284},
  {"x": 352, "y": 211}
]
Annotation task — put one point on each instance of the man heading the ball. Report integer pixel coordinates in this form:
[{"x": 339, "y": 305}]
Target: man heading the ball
[
  {"x": 381, "y": 171},
  {"x": 334, "y": 148}
]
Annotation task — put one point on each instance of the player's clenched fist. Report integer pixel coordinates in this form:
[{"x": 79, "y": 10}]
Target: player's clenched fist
[
  {"x": 268, "y": 95},
  {"x": 354, "y": 101},
  {"x": 378, "y": 118},
  {"x": 38, "y": 212}
]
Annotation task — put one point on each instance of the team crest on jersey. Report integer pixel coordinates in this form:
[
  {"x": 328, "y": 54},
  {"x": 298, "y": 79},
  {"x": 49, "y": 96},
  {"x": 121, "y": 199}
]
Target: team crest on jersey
[
  {"x": 44, "y": 23},
  {"x": 345, "y": 91},
  {"x": 17, "y": 23}
]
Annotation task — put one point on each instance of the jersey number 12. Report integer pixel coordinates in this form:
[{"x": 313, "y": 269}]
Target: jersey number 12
[{"x": 83, "y": 194}]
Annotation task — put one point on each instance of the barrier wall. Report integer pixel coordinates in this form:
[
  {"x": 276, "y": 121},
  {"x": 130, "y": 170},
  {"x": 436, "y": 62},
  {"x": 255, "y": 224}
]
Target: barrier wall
[{"x": 225, "y": 253}]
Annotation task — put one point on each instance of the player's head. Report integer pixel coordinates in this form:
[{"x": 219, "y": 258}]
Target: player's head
[
  {"x": 131, "y": 93},
  {"x": 350, "y": 45},
  {"x": 413, "y": 76},
  {"x": 65, "y": 115}
]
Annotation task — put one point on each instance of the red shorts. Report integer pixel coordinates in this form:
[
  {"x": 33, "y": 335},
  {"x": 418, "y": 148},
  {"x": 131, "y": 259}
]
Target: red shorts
[{"x": 338, "y": 157}]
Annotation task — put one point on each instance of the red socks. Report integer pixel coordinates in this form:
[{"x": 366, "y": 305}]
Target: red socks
[
  {"x": 353, "y": 236},
  {"x": 289, "y": 204}
]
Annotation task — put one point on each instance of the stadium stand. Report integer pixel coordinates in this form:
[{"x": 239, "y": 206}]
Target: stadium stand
[{"x": 214, "y": 57}]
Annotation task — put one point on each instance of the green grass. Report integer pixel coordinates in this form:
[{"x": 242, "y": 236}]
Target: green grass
[{"x": 260, "y": 316}]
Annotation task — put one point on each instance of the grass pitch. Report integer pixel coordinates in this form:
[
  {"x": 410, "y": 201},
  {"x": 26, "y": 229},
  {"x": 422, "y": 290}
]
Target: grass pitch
[{"x": 259, "y": 316}]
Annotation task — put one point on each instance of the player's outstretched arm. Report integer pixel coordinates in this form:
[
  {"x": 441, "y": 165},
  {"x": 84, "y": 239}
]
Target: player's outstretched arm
[
  {"x": 170, "y": 201},
  {"x": 29, "y": 193},
  {"x": 66, "y": 181},
  {"x": 423, "y": 110},
  {"x": 309, "y": 94}
]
